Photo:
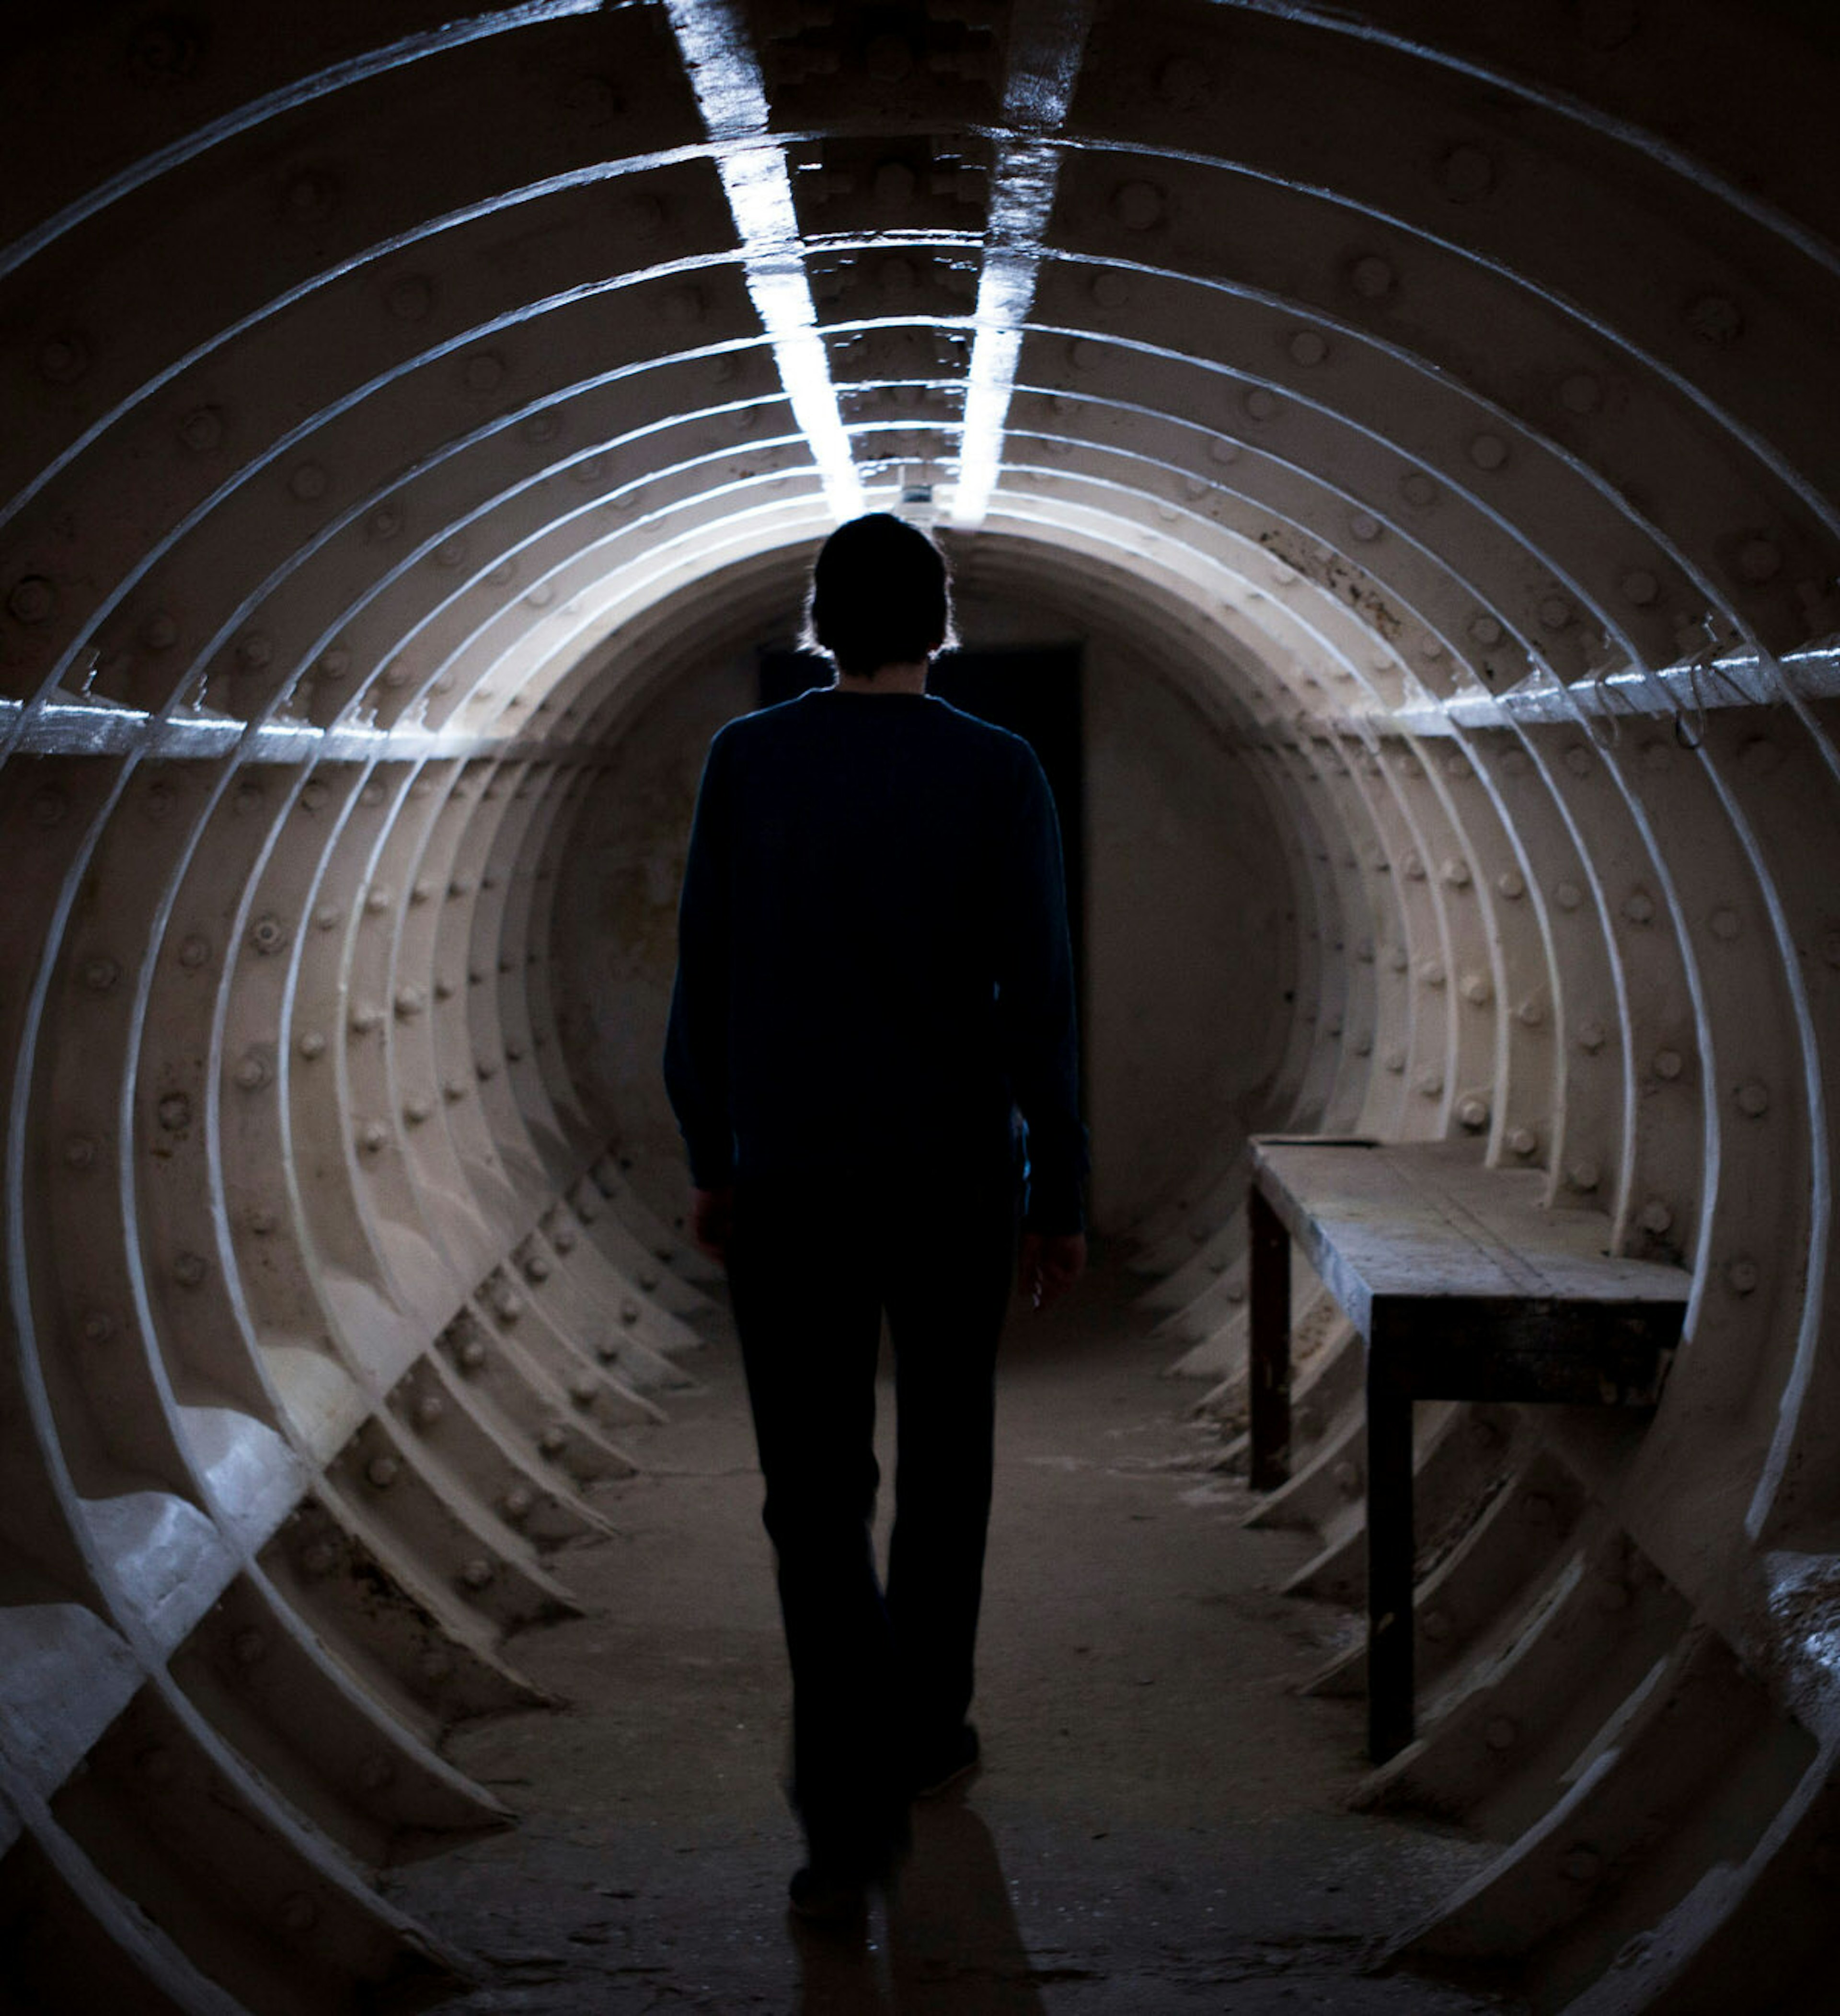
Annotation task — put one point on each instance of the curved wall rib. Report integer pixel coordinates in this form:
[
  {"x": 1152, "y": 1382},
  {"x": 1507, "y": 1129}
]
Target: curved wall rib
[{"x": 1441, "y": 395}]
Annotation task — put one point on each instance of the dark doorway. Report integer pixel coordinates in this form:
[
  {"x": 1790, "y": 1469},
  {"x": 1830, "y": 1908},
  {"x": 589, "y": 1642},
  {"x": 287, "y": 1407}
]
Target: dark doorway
[{"x": 1032, "y": 690}]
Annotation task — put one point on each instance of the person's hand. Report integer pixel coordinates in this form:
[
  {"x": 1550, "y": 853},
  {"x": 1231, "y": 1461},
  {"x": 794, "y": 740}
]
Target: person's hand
[
  {"x": 711, "y": 1214},
  {"x": 1049, "y": 1264}
]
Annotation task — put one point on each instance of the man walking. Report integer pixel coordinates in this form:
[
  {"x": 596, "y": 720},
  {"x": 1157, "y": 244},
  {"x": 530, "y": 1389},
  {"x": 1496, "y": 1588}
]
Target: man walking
[{"x": 874, "y": 979}]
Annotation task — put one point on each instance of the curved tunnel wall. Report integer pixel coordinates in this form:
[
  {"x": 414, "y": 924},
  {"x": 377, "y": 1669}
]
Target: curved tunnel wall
[{"x": 1443, "y": 395}]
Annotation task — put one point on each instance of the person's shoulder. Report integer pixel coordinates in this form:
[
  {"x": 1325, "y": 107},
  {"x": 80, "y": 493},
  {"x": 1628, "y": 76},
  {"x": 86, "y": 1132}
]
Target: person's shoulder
[
  {"x": 763, "y": 725},
  {"x": 999, "y": 745}
]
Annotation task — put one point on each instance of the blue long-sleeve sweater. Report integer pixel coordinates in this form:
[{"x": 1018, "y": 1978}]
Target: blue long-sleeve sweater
[{"x": 873, "y": 967}]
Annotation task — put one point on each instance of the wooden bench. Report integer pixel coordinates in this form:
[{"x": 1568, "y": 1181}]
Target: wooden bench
[{"x": 1465, "y": 1287}]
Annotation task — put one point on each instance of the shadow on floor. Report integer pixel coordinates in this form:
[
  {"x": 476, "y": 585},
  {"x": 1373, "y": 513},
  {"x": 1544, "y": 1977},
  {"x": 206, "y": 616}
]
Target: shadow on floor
[{"x": 953, "y": 1946}]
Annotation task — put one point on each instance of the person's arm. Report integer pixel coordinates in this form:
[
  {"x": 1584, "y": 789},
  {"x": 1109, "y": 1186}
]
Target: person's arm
[
  {"x": 1035, "y": 1001},
  {"x": 696, "y": 1043}
]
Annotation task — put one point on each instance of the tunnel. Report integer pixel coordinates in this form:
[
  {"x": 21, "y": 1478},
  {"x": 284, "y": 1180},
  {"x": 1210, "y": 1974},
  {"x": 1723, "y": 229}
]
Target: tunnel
[{"x": 1419, "y": 422}]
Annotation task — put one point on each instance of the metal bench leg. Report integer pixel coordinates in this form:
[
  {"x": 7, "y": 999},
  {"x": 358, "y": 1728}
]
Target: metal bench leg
[
  {"x": 1389, "y": 1562},
  {"x": 1268, "y": 1372}
]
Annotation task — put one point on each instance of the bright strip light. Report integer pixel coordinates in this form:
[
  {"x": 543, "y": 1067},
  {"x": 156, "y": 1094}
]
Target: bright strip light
[
  {"x": 1047, "y": 41},
  {"x": 712, "y": 38}
]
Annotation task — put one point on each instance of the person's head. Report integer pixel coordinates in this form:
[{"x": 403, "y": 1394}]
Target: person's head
[{"x": 880, "y": 596}]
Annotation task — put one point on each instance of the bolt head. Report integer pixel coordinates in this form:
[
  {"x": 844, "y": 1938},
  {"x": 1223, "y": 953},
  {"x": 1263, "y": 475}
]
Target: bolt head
[{"x": 382, "y": 1471}]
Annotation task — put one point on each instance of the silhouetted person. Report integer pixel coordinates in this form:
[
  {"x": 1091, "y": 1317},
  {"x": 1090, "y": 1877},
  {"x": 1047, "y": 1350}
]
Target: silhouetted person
[{"x": 874, "y": 979}]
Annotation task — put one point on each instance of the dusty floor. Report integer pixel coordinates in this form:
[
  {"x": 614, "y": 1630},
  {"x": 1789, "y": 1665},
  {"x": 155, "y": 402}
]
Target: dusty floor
[{"x": 1159, "y": 1825}]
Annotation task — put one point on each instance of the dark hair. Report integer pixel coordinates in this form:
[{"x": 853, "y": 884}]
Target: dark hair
[{"x": 880, "y": 596}]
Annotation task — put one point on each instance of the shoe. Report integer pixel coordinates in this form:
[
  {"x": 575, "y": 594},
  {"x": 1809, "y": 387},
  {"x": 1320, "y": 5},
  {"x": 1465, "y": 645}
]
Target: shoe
[
  {"x": 825, "y": 1897},
  {"x": 945, "y": 1763}
]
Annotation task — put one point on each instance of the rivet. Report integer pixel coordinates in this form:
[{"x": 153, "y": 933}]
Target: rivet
[
  {"x": 1582, "y": 1865},
  {"x": 311, "y": 1044},
  {"x": 518, "y": 1503},
  {"x": 554, "y": 1441},
  {"x": 1485, "y": 630},
  {"x": 1531, "y": 1012},
  {"x": 1137, "y": 206},
  {"x": 1760, "y": 561},
  {"x": 1476, "y": 989},
  {"x": 483, "y": 370},
  {"x": 1430, "y": 1084},
  {"x": 537, "y": 1268},
  {"x": 31, "y": 599},
  {"x": 513, "y": 1049},
  {"x": 1372, "y": 277},
  {"x": 1431, "y": 971},
  {"x": 452, "y": 1091},
  {"x": 160, "y": 795},
  {"x": 1578, "y": 760},
  {"x": 1668, "y": 1063},
  {"x": 1500, "y": 1733},
  {"x": 1640, "y": 587},
  {"x": 79, "y": 1152},
  {"x": 1718, "y": 319},
  {"x": 98, "y": 1327},
  {"x": 1363, "y": 526},
  {"x": 1554, "y": 612},
  {"x": 194, "y": 951},
  {"x": 1509, "y": 883},
  {"x": 1591, "y": 1036},
  {"x": 416, "y": 1111},
  {"x": 1639, "y": 907},
  {"x": 1488, "y": 451},
  {"x": 382, "y": 1471},
  {"x": 410, "y": 1002},
  {"x": 1741, "y": 1276},
  {"x": 1457, "y": 872},
  {"x": 175, "y": 1112},
  {"x": 364, "y": 1019},
  {"x": 1261, "y": 404},
  {"x": 252, "y": 1071},
  {"x": 1223, "y": 450},
  {"x": 1435, "y": 1625},
  {"x": 267, "y": 934},
  {"x": 160, "y": 633},
  {"x": 476, "y": 1573},
  {"x": 472, "y": 1352},
  {"x": 1655, "y": 1216},
  {"x": 435, "y": 1665},
  {"x": 562, "y": 1238},
  {"x": 485, "y": 1070},
  {"x": 1363, "y": 1044},
  {"x": 1418, "y": 488},
  {"x": 629, "y": 1313},
  {"x": 444, "y": 990},
  {"x": 1414, "y": 866},
  {"x": 1522, "y": 1140},
  {"x": 1473, "y": 1111},
  {"x": 430, "y": 1407},
  {"x": 1724, "y": 924},
  {"x": 298, "y": 1913},
  {"x": 459, "y": 887},
  {"x": 507, "y": 1302},
  {"x": 373, "y": 1137},
  {"x": 327, "y": 917},
  {"x": 1308, "y": 348},
  {"x": 1515, "y": 762},
  {"x": 1346, "y": 1478},
  {"x": 1753, "y": 1099},
  {"x": 1110, "y": 290},
  {"x": 584, "y": 1391},
  {"x": 189, "y": 1270},
  {"x": 1584, "y": 1176},
  {"x": 100, "y": 974},
  {"x": 376, "y": 901},
  {"x": 262, "y": 1221},
  {"x": 409, "y": 298},
  {"x": 648, "y": 1278},
  {"x": 335, "y": 662},
  {"x": 249, "y": 1646},
  {"x": 202, "y": 430},
  {"x": 1395, "y": 1059}
]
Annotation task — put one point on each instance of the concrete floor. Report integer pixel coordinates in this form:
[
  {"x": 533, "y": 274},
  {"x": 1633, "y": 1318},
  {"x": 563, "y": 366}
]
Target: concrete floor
[{"x": 1159, "y": 1827}]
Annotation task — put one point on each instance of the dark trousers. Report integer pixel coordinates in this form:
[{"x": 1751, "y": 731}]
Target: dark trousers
[{"x": 877, "y": 1675}]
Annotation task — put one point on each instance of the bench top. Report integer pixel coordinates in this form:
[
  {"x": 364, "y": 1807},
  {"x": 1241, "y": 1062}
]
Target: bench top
[{"x": 1423, "y": 1223}]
